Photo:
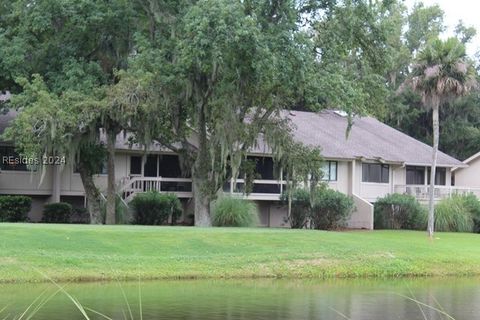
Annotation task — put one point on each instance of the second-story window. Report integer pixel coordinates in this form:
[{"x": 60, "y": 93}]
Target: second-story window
[
  {"x": 440, "y": 176},
  {"x": 329, "y": 169},
  {"x": 135, "y": 165},
  {"x": 375, "y": 172},
  {"x": 415, "y": 175}
]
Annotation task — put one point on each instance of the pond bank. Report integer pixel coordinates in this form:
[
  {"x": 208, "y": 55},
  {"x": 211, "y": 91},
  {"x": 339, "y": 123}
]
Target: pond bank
[{"x": 39, "y": 252}]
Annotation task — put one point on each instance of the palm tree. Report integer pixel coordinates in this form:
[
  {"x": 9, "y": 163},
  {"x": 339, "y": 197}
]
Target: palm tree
[{"x": 442, "y": 72}]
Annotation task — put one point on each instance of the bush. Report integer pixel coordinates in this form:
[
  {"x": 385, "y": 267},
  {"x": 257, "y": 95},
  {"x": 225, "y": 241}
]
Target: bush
[
  {"x": 234, "y": 212},
  {"x": 80, "y": 215},
  {"x": 14, "y": 208},
  {"x": 457, "y": 213},
  {"x": 59, "y": 212},
  {"x": 473, "y": 205},
  {"x": 399, "y": 211},
  {"x": 300, "y": 209},
  {"x": 153, "y": 208},
  {"x": 330, "y": 209}
]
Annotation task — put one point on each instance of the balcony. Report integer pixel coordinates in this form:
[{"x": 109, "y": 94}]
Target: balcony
[
  {"x": 421, "y": 192},
  {"x": 182, "y": 187},
  {"x": 262, "y": 189}
]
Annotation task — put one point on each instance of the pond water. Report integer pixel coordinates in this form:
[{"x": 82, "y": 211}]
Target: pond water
[{"x": 248, "y": 299}]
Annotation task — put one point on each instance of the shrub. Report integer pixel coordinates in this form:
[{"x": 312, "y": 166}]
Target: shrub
[
  {"x": 330, "y": 209},
  {"x": 59, "y": 212},
  {"x": 399, "y": 211},
  {"x": 14, "y": 208},
  {"x": 473, "y": 205},
  {"x": 300, "y": 209},
  {"x": 80, "y": 215},
  {"x": 234, "y": 212},
  {"x": 456, "y": 214},
  {"x": 153, "y": 208}
]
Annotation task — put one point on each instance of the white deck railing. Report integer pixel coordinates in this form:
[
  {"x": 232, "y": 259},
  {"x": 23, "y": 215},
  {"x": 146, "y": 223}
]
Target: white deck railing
[
  {"x": 262, "y": 189},
  {"x": 421, "y": 192},
  {"x": 182, "y": 187}
]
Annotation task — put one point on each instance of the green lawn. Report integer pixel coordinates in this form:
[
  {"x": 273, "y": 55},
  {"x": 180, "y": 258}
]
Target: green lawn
[{"x": 30, "y": 252}]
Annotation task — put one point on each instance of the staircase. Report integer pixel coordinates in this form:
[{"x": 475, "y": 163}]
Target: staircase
[{"x": 130, "y": 186}]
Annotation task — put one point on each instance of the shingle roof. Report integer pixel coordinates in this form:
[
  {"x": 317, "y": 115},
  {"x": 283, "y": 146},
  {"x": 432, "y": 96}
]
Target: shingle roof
[{"x": 369, "y": 139}]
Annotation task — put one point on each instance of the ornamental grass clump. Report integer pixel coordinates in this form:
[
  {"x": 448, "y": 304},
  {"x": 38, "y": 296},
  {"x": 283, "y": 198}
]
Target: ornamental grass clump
[
  {"x": 234, "y": 212},
  {"x": 459, "y": 213}
]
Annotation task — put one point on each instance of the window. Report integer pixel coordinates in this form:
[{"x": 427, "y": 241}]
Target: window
[
  {"x": 151, "y": 166},
  {"x": 169, "y": 166},
  {"x": 440, "y": 176},
  {"x": 11, "y": 160},
  {"x": 264, "y": 168},
  {"x": 163, "y": 165},
  {"x": 135, "y": 165},
  {"x": 415, "y": 175},
  {"x": 375, "y": 172},
  {"x": 329, "y": 169}
]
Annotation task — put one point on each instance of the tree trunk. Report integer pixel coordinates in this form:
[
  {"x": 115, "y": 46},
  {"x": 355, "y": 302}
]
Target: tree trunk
[
  {"x": 94, "y": 203},
  {"x": 431, "y": 202},
  {"x": 201, "y": 203},
  {"x": 111, "y": 192},
  {"x": 200, "y": 174}
]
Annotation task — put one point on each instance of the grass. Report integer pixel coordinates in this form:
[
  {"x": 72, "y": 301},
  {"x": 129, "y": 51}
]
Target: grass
[{"x": 34, "y": 252}]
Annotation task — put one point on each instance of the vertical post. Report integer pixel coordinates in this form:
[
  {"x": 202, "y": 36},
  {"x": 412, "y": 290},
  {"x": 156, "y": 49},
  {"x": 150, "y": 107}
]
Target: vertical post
[
  {"x": 353, "y": 178},
  {"x": 392, "y": 188},
  {"x": 281, "y": 187},
  {"x": 56, "y": 184}
]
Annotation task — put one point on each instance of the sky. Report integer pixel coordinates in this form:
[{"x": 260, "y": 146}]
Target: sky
[{"x": 466, "y": 10}]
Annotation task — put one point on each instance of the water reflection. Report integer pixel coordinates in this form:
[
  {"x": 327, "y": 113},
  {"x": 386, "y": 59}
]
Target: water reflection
[{"x": 249, "y": 299}]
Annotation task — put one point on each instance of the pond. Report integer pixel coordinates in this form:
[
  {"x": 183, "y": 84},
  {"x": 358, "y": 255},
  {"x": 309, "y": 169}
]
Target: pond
[{"x": 248, "y": 299}]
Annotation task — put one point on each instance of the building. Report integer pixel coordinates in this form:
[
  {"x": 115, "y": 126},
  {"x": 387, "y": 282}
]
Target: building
[
  {"x": 373, "y": 161},
  {"x": 469, "y": 175}
]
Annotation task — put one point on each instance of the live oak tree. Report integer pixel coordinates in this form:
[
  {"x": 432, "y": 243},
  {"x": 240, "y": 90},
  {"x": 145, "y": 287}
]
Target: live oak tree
[
  {"x": 64, "y": 126},
  {"x": 353, "y": 41},
  {"x": 224, "y": 69},
  {"x": 442, "y": 72},
  {"x": 75, "y": 48}
]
